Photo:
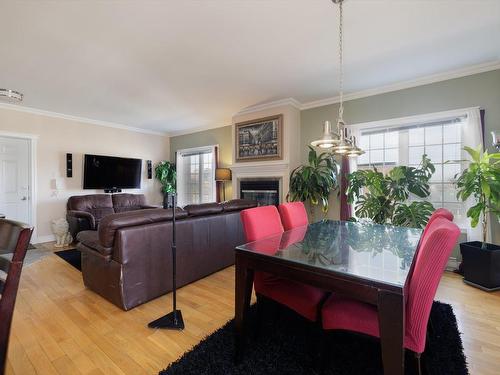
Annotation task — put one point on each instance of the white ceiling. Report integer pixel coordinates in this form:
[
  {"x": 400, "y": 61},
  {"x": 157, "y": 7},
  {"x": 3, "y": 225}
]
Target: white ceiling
[{"x": 176, "y": 65}]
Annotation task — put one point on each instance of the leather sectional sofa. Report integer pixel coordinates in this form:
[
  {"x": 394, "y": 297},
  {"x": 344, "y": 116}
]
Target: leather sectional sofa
[
  {"x": 128, "y": 259},
  {"x": 84, "y": 212}
]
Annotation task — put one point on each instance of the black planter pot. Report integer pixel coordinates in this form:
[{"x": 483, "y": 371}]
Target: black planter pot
[{"x": 481, "y": 266}]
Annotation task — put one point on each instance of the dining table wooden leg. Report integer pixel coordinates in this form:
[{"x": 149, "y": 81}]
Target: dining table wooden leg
[
  {"x": 243, "y": 295},
  {"x": 391, "y": 317}
]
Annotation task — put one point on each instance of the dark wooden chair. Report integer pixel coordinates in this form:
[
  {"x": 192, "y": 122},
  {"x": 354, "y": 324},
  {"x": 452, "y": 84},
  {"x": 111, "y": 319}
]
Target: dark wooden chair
[{"x": 15, "y": 236}]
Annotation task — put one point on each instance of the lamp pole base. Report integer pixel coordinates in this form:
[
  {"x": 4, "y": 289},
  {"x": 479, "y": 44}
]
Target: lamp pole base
[{"x": 172, "y": 320}]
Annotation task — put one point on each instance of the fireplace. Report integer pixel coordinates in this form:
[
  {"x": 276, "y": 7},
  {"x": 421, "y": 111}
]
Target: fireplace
[{"x": 265, "y": 191}]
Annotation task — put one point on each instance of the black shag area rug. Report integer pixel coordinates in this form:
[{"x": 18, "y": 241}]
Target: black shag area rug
[
  {"x": 72, "y": 256},
  {"x": 289, "y": 345}
]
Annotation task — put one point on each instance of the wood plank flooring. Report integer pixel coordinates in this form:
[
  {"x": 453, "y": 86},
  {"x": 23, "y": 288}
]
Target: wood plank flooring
[{"x": 60, "y": 327}]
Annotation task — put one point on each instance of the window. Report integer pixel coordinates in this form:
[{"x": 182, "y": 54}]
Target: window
[
  {"x": 404, "y": 141},
  {"x": 196, "y": 175}
]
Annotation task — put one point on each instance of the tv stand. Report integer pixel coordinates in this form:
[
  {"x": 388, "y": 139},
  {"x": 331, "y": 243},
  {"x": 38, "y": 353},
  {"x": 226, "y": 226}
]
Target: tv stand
[{"x": 112, "y": 190}]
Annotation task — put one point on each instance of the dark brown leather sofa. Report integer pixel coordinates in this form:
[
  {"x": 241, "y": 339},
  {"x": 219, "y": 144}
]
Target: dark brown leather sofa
[
  {"x": 84, "y": 212},
  {"x": 128, "y": 259}
]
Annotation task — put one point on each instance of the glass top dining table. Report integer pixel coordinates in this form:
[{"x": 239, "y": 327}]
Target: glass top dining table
[
  {"x": 381, "y": 253},
  {"x": 370, "y": 263}
]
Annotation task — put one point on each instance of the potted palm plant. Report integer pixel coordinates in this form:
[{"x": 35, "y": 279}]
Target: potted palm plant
[
  {"x": 314, "y": 182},
  {"x": 166, "y": 174},
  {"x": 481, "y": 181}
]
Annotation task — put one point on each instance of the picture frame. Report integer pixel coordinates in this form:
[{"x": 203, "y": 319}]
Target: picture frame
[{"x": 260, "y": 139}]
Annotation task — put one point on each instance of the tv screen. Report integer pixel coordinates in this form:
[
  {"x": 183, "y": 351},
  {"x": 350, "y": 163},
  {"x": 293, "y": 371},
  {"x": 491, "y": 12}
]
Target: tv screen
[{"x": 106, "y": 172}]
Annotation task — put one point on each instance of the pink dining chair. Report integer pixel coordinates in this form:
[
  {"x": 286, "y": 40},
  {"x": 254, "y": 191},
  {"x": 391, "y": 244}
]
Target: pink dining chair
[
  {"x": 440, "y": 212},
  {"x": 262, "y": 222},
  {"x": 342, "y": 313},
  {"x": 293, "y": 215}
]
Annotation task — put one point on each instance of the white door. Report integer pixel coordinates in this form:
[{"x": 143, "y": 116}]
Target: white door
[{"x": 15, "y": 179}]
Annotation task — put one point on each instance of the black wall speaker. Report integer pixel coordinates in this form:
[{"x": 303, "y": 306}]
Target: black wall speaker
[
  {"x": 69, "y": 165},
  {"x": 150, "y": 169}
]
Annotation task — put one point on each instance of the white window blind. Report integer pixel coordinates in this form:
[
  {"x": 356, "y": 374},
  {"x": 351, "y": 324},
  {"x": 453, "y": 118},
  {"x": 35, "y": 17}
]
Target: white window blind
[{"x": 196, "y": 175}]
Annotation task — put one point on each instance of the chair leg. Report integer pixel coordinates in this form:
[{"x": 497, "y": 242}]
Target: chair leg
[
  {"x": 259, "y": 317},
  {"x": 418, "y": 363}
]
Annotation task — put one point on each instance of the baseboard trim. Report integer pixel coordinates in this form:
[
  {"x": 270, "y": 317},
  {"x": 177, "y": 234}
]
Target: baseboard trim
[
  {"x": 42, "y": 239},
  {"x": 452, "y": 264}
]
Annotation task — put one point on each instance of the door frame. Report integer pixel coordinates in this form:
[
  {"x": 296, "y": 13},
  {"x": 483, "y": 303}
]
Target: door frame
[{"x": 32, "y": 158}]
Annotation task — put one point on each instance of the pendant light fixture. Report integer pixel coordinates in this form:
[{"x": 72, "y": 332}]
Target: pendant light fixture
[
  {"x": 341, "y": 143},
  {"x": 10, "y": 96}
]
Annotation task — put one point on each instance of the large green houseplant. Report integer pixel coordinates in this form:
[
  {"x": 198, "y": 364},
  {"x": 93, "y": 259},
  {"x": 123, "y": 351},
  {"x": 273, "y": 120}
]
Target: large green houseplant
[
  {"x": 383, "y": 199},
  {"x": 481, "y": 181},
  {"x": 315, "y": 181},
  {"x": 166, "y": 174}
]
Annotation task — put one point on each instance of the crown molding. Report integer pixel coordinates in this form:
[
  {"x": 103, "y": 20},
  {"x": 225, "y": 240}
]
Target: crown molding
[
  {"x": 178, "y": 133},
  {"x": 276, "y": 103},
  {"x": 439, "y": 77},
  {"x": 42, "y": 112}
]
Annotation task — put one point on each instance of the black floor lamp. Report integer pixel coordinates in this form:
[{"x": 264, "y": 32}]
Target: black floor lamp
[
  {"x": 223, "y": 175},
  {"x": 172, "y": 320}
]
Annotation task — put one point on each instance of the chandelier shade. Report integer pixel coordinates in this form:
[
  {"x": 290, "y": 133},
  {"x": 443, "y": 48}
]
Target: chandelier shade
[{"x": 329, "y": 139}]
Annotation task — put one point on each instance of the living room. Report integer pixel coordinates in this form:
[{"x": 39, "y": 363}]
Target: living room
[{"x": 108, "y": 109}]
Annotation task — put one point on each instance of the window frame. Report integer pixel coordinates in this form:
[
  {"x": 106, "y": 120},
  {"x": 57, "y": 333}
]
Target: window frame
[
  {"x": 182, "y": 201},
  {"x": 357, "y": 128}
]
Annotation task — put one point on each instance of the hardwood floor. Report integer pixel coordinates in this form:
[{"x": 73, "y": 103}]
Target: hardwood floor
[{"x": 60, "y": 327}]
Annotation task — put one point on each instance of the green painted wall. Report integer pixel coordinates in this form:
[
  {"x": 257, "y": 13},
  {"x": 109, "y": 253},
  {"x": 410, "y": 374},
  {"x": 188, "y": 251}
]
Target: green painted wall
[
  {"x": 481, "y": 90},
  {"x": 218, "y": 136}
]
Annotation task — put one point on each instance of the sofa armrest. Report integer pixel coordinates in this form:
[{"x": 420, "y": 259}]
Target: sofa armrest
[
  {"x": 79, "y": 221},
  {"x": 89, "y": 239},
  {"x": 82, "y": 215}
]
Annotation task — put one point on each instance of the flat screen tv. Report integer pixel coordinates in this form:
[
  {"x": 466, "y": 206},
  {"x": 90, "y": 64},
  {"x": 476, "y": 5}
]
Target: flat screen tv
[{"x": 108, "y": 172}]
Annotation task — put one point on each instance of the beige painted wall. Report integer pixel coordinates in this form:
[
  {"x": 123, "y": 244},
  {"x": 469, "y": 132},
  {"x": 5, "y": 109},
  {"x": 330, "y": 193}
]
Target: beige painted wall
[
  {"x": 218, "y": 136},
  {"x": 57, "y": 136},
  {"x": 481, "y": 90}
]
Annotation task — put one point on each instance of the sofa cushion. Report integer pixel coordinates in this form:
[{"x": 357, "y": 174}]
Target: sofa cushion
[
  {"x": 90, "y": 238},
  {"x": 99, "y": 205},
  {"x": 203, "y": 209},
  {"x": 238, "y": 204},
  {"x": 111, "y": 223},
  {"x": 128, "y": 202}
]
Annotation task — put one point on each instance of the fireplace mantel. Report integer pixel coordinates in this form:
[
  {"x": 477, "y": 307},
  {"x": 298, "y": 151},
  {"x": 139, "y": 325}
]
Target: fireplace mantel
[{"x": 276, "y": 169}]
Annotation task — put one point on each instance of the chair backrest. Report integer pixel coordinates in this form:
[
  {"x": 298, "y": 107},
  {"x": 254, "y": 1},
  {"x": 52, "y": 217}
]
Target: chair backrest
[
  {"x": 261, "y": 222},
  {"x": 440, "y": 212},
  {"x": 11, "y": 231},
  {"x": 429, "y": 267},
  {"x": 293, "y": 215}
]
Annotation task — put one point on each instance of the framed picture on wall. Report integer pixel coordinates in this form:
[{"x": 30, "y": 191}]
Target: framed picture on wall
[{"x": 259, "y": 139}]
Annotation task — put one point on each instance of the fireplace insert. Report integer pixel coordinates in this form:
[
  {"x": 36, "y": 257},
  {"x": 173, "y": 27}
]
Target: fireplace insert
[{"x": 265, "y": 192}]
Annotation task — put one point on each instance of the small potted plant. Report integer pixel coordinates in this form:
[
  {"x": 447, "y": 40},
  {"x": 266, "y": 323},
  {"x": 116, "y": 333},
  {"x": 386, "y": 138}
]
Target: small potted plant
[
  {"x": 481, "y": 181},
  {"x": 166, "y": 174}
]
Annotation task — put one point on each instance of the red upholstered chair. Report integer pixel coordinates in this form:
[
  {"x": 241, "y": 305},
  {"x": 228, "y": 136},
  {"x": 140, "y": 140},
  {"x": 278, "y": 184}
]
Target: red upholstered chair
[
  {"x": 293, "y": 215},
  {"x": 14, "y": 237},
  {"x": 346, "y": 314},
  {"x": 440, "y": 212},
  {"x": 262, "y": 222}
]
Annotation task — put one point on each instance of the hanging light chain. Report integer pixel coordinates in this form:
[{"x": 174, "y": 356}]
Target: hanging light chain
[{"x": 341, "y": 62}]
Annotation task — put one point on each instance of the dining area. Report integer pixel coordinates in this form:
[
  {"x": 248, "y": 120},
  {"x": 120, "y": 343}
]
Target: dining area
[{"x": 364, "y": 279}]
